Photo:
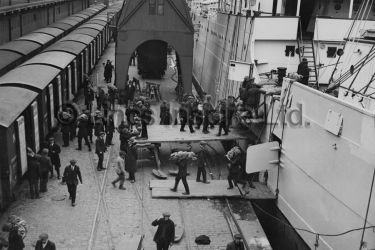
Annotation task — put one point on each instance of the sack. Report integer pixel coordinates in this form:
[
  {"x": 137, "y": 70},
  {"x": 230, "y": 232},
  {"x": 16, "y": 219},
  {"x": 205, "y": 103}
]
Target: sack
[{"x": 203, "y": 240}]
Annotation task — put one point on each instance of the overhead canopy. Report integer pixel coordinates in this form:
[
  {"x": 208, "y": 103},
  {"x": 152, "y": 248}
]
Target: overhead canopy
[
  {"x": 21, "y": 47},
  {"x": 13, "y": 101},
  {"x": 62, "y": 26},
  {"x": 58, "y": 59},
  {"x": 87, "y": 31},
  {"x": 50, "y": 31},
  {"x": 73, "y": 47},
  {"x": 37, "y": 37},
  {"x": 35, "y": 76},
  {"x": 8, "y": 57},
  {"x": 86, "y": 39}
]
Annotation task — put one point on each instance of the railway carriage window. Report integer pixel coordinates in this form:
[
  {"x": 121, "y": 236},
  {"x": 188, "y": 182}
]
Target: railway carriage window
[{"x": 152, "y": 10}]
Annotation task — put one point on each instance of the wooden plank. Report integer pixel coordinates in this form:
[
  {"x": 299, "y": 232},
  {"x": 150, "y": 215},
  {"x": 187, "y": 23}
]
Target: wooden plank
[
  {"x": 216, "y": 188},
  {"x": 130, "y": 242},
  {"x": 162, "y": 187},
  {"x": 171, "y": 133}
]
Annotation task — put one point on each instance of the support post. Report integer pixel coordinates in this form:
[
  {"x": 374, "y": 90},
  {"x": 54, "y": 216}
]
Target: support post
[
  {"x": 299, "y": 7},
  {"x": 350, "y": 9}
]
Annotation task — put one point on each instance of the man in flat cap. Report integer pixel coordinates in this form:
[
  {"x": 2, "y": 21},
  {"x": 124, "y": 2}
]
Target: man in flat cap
[
  {"x": 164, "y": 235},
  {"x": 45, "y": 168},
  {"x": 53, "y": 152},
  {"x": 202, "y": 162},
  {"x": 44, "y": 244},
  {"x": 237, "y": 244},
  {"x": 71, "y": 176},
  {"x": 100, "y": 149}
]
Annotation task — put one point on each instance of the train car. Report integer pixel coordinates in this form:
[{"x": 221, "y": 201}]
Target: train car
[
  {"x": 18, "y": 51},
  {"x": 152, "y": 59}
]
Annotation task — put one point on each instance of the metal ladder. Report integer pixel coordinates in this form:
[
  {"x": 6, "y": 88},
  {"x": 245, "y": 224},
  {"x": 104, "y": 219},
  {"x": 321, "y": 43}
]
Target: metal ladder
[{"x": 309, "y": 54}]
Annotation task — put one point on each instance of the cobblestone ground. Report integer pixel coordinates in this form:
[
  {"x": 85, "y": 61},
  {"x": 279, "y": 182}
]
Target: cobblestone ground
[{"x": 127, "y": 211}]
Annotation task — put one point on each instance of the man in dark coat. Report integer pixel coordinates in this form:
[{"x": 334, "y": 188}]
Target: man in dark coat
[
  {"x": 83, "y": 124},
  {"x": 131, "y": 159},
  {"x": 53, "y": 152},
  {"x": 234, "y": 171},
  {"x": 99, "y": 150},
  {"x": 99, "y": 98},
  {"x": 45, "y": 168},
  {"x": 185, "y": 117},
  {"x": 33, "y": 173},
  {"x": 110, "y": 129},
  {"x": 146, "y": 116},
  {"x": 232, "y": 109},
  {"x": 108, "y": 68},
  {"x": 90, "y": 124},
  {"x": 182, "y": 173},
  {"x": 207, "y": 110},
  {"x": 304, "y": 71},
  {"x": 99, "y": 124},
  {"x": 223, "y": 119},
  {"x": 165, "y": 233},
  {"x": 202, "y": 162},
  {"x": 126, "y": 94},
  {"x": 65, "y": 130},
  {"x": 15, "y": 240},
  {"x": 71, "y": 176},
  {"x": 130, "y": 113},
  {"x": 132, "y": 89},
  {"x": 237, "y": 244},
  {"x": 44, "y": 244}
]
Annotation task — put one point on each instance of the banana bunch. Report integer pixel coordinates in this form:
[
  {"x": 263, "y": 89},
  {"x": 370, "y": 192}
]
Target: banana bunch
[
  {"x": 19, "y": 224},
  {"x": 235, "y": 151},
  {"x": 183, "y": 155}
]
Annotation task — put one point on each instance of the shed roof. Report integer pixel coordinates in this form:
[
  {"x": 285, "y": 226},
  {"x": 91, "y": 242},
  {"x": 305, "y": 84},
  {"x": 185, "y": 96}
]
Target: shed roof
[
  {"x": 37, "y": 37},
  {"x": 57, "y": 59},
  {"x": 13, "y": 101},
  {"x": 87, "y": 31},
  {"x": 33, "y": 76},
  {"x": 86, "y": 39},
  {"x": 21, "y": 47},
  {"x": 50, "y": 31},
  {"x": 73, "y": 47}
]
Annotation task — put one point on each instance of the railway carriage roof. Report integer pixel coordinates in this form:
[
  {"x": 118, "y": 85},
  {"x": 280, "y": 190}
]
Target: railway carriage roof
[
  {"x": 73, "y": 21},
  {"x": 60, "y": 25},
  {"x": 22, "y": 47},
  {"x": 40, "y": 38},
  {"x": 100, "y": 22},
  {"x": 98, "y": 27},
  {"x": 33, "y": 76},
  {"x": 74, "y": 47},
  {"x": 8, "y": 57},
  {"x": 82, "y": 15},
  {"x": 87, "y": 31},
  {"x": 57, "y": 59},
  {"x": 83, "y": 38},
  {"x": 50, "y": 31},
  {"x": 13, "y": 101}
]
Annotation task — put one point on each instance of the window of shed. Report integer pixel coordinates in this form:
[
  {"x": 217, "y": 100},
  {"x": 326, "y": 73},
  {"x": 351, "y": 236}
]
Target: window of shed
[
  {"x": 289, "y": 50},
  {"x": 152, "y": 9},
  {"x": 331, "y": 52}
]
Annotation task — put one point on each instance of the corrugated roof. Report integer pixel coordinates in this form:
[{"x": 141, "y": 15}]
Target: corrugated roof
[
  {"x": 68, "y": 46},
  {"x": 54, "y": 58},
  {"x": 37, "y": 37},
  {"x": 86, "y": 39},
  {"x": 98, "y": 27},
  {"x": 87, "y": 31},
  {"x": 34, "y": 76},
  {"x": 62, "y": 26},
  {"x": 13, "y": 101},
  {"x": 22, "y": 47},
  {"x": 50, "y": 31},
  {"x": 8, "y": 57}
]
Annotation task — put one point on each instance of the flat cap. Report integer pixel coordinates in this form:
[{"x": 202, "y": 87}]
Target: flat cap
[
  {"x": 237, "y": 236},
  {"x": 73, "y": 161},
  {"x": 43, "y": 236},
  {"x": 51, "y": 139},
  {"x": 166, "y": 214},
  {"x": 203, "y": 143},
  {"x": 45, "y": 150}
]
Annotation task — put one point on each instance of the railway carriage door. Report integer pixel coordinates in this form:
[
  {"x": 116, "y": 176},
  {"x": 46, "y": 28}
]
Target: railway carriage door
[
  {"x": 69, "y": 83},
  {"x": 86, "y": 61},
  {"x": 59, "y": 90},
  {"x": 100, "y": 44},
  {"x": 94, "y": 53},
  {"x": 34, "y": 108},
  {"x": 22, "y": 144},
  {"x": 51, "y": 105},
  {"x": 75, "y": 77},
  {"x": 82, "y": 66}
]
